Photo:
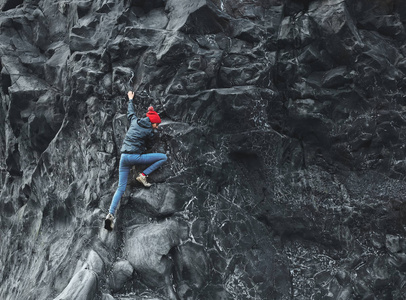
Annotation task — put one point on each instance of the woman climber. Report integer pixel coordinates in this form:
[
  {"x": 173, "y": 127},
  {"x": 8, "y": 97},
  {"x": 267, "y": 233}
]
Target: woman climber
[{"x": 138, "y": 137}]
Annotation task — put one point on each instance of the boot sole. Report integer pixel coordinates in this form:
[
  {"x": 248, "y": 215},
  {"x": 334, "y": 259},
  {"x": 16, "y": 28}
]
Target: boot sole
[{"x": 108, "y": 225}]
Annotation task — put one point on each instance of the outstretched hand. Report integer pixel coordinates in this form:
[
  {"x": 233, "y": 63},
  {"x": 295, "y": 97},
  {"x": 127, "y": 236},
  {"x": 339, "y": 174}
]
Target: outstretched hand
[{"x": 130, "y": 95}]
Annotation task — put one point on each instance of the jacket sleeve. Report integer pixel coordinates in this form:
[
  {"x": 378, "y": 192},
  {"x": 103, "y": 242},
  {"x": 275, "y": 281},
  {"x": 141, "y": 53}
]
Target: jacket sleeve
[{"x": 130, "y": 111}]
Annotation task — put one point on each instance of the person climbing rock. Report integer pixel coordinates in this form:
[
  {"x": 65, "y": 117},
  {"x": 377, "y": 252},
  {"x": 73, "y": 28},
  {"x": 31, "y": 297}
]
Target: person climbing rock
[{"x": 138, "y": 137}]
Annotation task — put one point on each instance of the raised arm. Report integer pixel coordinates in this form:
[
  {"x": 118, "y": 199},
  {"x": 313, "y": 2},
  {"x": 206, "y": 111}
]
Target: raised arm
[{"x": 130, "y": 109}]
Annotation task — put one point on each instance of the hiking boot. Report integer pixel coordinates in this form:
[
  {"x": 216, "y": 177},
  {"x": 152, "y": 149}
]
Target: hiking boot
[
  {"x": 109, "y": 222},
  {"x": 143, "y": 179}
]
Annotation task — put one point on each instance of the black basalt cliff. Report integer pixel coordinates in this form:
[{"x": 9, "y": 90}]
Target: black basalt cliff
[{"x": 284, "y": 124}]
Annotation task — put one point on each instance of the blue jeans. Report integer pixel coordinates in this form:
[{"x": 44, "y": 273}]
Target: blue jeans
[{"x": 126, "y": 162}]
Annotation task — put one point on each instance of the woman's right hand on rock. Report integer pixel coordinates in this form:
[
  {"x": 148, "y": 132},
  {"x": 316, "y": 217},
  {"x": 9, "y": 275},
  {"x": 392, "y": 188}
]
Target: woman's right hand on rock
[{"x": 130, "y": 95}]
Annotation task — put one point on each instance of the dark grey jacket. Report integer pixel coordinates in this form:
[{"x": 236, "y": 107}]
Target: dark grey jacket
[{"x": 139, "y": 134}]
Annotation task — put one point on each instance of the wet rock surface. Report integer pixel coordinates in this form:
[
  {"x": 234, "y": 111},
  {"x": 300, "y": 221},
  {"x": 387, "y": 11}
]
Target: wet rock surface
[{"x": 283, "y": 122}]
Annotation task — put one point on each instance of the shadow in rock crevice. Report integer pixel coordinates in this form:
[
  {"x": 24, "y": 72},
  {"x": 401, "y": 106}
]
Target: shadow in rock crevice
[
  {"x": 147, "y": 5},
  {"x": 11, "y": 4}
]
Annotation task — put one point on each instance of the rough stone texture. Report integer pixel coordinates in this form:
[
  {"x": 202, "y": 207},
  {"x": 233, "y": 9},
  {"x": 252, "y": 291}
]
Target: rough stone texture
[
  {"x": 122, "y": 273},
  {"x": 82, "y": 286},
  {"x": 283, "y": 121}
]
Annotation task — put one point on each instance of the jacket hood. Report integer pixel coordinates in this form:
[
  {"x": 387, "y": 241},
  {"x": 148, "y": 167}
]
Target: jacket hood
[{"x": 144, "y": 122}]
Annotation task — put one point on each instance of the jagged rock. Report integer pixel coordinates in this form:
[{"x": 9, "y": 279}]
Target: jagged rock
[
  {"x": 192, "y": 265},
  {"x": 192, "y": 269},
  {"x": 55, "y": 70},
  {"x": 148, "y": 248},
  {"x": 198, "y": 17},
  {"x": 95, "y": 262},
  {"x": 283, "y": 123},
  {"x": 82, "y": 286},
  {"x": 121, "y": 273},
  {"x": 161, "y": 199},
  {"x": 107, "y": 297}
]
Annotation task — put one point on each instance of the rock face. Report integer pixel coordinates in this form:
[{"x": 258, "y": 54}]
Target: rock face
[{"x": 283, "y": 122}]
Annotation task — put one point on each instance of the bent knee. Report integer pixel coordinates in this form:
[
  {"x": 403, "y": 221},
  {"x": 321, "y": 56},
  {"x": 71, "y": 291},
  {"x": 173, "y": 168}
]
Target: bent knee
[{"x": 164, "y": 157}]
